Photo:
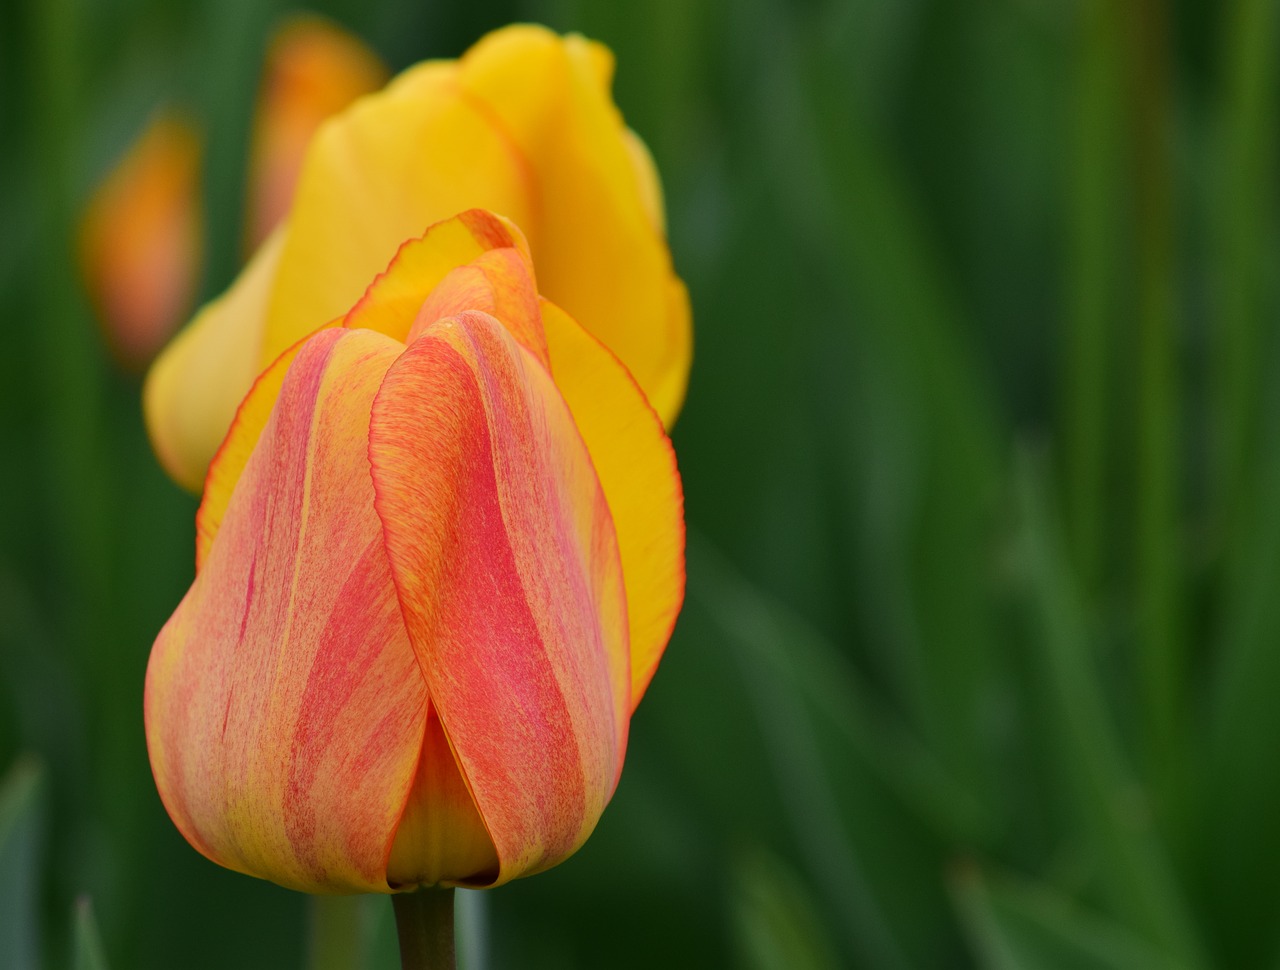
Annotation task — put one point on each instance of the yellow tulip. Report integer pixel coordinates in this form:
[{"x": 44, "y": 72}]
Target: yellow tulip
[{"x": 523, "y": 125}]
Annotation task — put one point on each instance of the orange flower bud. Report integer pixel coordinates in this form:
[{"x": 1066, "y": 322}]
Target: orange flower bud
[
  {"x": 440, "y": 554},
  {"x": 313, "y": 70},
  {"x": 140, "y": 242}
]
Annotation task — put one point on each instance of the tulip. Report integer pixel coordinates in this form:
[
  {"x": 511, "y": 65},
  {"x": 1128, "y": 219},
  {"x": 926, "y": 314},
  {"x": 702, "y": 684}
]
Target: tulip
[
  {"x": 313, "y": 70},
  {"x": 523, "y": 124},
  {"x": 140, "y": 241},
  {"x": 439, "y": 555}
]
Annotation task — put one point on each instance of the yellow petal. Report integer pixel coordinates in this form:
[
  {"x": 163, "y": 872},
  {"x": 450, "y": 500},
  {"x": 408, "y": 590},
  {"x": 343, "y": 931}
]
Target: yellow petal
[
  {"x": 398, "y": 295},
  {"x": 598, "y": 250},
  {"x": 313, "y": 70},
  {"x": 377, "y": 175},
  {"x": 140, "y": 242},
  {"x": 637, "y": 468},
  {"x": 195, "y": 386},
  {"x": 441, "y": 837}
]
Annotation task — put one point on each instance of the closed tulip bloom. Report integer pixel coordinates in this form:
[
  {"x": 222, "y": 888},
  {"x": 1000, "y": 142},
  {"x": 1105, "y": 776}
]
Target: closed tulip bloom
[
  {"x": 523, "y": 125},
  {"x": 140, "y": 241},
  {"x": 439, "y": 555},
  {"x": 313, "y": 70}
]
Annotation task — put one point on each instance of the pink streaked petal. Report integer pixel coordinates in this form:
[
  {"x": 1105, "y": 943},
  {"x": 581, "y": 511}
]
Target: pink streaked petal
[
  {"x": 505, "y": 558},
  {"x": 284, "y": 705}
]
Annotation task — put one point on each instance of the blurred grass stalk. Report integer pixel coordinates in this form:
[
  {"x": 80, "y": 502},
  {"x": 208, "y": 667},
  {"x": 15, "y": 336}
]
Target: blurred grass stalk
[
  {"x": 1113, "y": 815},
  {"x": 1124, "y": 48},
  {"x": 1242, "y": 208},
  {"x": 1161, "y": 555},
  {"x": 76, "y": 501},
  {"x": 1095, "y": 128},
  {"x": 1243, "y": 850}
]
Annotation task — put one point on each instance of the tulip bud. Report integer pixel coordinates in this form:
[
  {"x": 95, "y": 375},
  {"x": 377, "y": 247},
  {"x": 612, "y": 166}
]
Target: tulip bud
[
  {"x": 140, "y": 243},
  {"x": 439, "y": 555},
  {"x": 313, "y": 70}
]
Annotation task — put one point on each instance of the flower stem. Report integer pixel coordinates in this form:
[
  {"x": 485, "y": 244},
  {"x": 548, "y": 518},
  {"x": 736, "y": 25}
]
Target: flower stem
[{"x": 424, "y": 923}]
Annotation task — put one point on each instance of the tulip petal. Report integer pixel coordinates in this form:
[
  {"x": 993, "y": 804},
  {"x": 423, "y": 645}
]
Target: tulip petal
[
  {"x": 637, "y": 469},
  {"x": 474, "y": 261},
  {"x": 551, "y": 96},
  {"x": 441, "y": 838},
  {"x": 284, "y": 705},
  {"x": 506, "y": 562},
  {"x": 230, "y": 461},
  {"x": 195, "y": 386},
  {"x": 378, "y": 174}
]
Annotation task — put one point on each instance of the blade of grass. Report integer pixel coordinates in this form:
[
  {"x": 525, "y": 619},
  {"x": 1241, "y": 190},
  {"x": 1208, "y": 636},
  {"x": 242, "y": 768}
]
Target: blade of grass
[
  {"x": 1114, "y": 820},
  {"x": 1243, "y": 268},
  {"x": 846, "y": 200},
  {"x": 1243, "y": 862},
  {"x": 794, "y": 678},
  {"x": 788, "y": 648},
  {"x": 1241, "y": 799},
  {"x": 21, "y": 834},
  {"x": 1096, "y": 126},
  {"x": 773, "y": 917},
  {"x": 86, "y": 941},
  {"x": 1159, "y": 558},
  {"x": 1014, "y": 925}
]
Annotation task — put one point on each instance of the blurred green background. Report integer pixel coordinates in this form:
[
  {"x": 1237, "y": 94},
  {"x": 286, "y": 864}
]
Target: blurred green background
[{"x": 980, "y": 661}]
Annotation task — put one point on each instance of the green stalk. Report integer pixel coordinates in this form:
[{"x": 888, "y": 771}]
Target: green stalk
[
  {"x": 1089, "y": 337},
  {"x": 1136, "y": 874},
  {"x": 336, "y": 933},
  {"x": 1159, "y": 551},
  {"x": 1244, "y": 200},
  {"x": 424, "y": 924}
]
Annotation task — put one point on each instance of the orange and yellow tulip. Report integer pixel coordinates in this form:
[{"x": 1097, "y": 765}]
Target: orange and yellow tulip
[
  {"x": 524, "y": 125},
  {"x": 140, "y": 243},
  {"x": 439, "y": 555},
  {"x": 313, "y": 70}
]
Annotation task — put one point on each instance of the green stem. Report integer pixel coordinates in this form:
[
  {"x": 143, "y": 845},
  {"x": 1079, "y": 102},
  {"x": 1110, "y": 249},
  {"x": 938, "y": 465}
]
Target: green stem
[
  {"x": 424, "y": 923},
  {"x": 335, "y": 936},
  {"x": 1159, "y": 553},
  {"x": 1090, "y": 336}
]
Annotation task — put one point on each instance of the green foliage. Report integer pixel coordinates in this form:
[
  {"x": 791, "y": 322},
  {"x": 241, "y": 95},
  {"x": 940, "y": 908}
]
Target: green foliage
[
  {"x": 979, "y": 658},
  {"x": 21, "y": 837},
  {"x": 87, "y": 944}
]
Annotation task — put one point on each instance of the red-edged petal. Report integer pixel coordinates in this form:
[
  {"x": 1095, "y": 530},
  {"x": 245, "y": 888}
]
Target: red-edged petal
[
  {"x": 637, "y": 468},
  {"x": 284, "y": 706},
  {"x": 506, "y": 562},
  {"x": 473, "y": 261}
]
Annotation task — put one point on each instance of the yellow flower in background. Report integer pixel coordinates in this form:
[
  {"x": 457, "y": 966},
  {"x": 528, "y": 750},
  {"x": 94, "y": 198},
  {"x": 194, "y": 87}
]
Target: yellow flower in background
[
  {"x": 523, "y": 125},
  {"x": 140, "y": 244},
  {"x": 313, "y": 70}
]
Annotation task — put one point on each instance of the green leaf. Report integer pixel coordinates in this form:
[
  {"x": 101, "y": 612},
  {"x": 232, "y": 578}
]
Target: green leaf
[
  {"x": 774, "y": 920},
  {"x": 87, "y": 944},
  {"x": 818, "y": 726},
  {"x": 21, "y": 834},
  {"x": 1023, "y": 926},
  {"x": 1111, "y": 808}
]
